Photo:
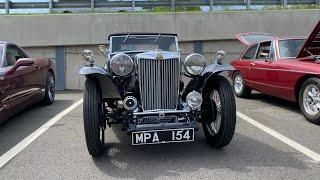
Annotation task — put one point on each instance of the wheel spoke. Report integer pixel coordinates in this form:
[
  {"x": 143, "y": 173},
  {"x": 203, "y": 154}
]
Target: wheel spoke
[{"x": 214, "y": 124}]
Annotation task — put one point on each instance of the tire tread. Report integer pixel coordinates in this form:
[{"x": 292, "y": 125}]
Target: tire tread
[
  {"x": 228, "y": 114},
  {"x": 91, "y": 117}
]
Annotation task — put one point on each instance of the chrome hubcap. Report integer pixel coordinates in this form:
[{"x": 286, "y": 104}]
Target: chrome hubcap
[
  {"x": 238, "y": 84},
  {"x": 311, "y": 100},
  {"x": 214, "y": 126},
  {"x": 51, "y": 88}
]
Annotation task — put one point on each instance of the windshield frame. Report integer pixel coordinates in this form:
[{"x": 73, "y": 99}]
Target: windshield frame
[
  {"x": 2, "y": 55},
  {"x": 279, "y": 51},
  {"x": 141, "y": 35}
]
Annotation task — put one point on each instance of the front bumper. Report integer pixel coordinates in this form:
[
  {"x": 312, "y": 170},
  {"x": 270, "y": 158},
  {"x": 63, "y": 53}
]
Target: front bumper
[
  {"x": 189, "y": 120},
  {"x": 162, "y": 126}
]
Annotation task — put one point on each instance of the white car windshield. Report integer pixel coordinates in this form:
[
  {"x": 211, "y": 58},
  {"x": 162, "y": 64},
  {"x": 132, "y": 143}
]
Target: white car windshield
[
  {"x": 290, "y": 48},
  {"x": 143, "y": 43}
]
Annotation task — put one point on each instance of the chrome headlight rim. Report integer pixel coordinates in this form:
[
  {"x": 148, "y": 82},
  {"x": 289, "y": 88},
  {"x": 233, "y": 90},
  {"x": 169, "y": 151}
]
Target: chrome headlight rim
[
  {"x": 202, "y": 63},
  {"x": 116, "y": 57},
  {"x": 191, "y": 99}
]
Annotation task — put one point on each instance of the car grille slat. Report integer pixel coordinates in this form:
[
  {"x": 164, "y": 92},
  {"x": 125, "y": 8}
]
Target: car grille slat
[{"x": 158, "y": 81}]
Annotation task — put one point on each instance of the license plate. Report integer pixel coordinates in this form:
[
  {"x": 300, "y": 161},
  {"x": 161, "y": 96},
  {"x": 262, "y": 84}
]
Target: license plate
[{"x": 162, "y": 136}]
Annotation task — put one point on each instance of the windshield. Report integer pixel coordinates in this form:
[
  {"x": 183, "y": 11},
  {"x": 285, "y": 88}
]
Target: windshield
[
  {"x": 143, "y": 43},
  {"x": 1, "y": 55},
  {"x": 290, "y": 48},
  {"x": 252, "y": 38}
]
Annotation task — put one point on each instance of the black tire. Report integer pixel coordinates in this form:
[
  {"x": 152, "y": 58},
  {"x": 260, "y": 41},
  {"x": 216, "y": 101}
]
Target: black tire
[
  {"x": 225, "y": 132},
  {"x": 50, "y": 89},
  {"x": 245, "y": 91},
  {"x": 93, "y": 118},
  {"x": 314, "y": 118}
]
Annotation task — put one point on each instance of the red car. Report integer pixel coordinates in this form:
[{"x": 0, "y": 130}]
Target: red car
[
  {"x": 23, "y": 80},
  {"x": 288, "y": 68}
]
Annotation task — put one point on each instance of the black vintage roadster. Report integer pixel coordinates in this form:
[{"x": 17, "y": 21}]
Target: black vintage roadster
[{"x": 141, "y": 87}]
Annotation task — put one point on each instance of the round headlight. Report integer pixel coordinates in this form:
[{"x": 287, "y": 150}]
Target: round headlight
[
  {"x": 194, "y": 100},
  {"x": 121, "y": 64},
  {"x": 194, "y": 64}
]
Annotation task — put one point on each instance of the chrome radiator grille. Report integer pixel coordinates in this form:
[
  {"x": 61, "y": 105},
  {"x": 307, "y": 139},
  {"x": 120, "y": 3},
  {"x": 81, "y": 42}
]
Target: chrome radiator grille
[{"x": 159, "y": 83}]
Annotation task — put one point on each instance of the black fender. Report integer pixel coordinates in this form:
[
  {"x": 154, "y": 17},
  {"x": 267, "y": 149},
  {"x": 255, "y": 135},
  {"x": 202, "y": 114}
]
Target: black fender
[
  {"x": 202, "y": 82},
  {"x": 108, "y": 88},
  {"x": 217, "y": 68},
  {"x": 211, "y": 73}
]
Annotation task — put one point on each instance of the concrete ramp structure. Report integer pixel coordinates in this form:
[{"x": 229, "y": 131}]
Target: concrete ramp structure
[{"x": 63, "y": 37}]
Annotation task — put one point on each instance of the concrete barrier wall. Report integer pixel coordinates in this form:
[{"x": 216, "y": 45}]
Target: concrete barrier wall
[
  {"x": 41, "y": 34},
  {"x": 84, "y": 29}
]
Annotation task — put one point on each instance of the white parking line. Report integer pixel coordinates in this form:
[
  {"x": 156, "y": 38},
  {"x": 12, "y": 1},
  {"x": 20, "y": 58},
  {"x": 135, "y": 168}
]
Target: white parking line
[
  {"x": 5, "y": 158},
  {"x": 306, "y": 151}
]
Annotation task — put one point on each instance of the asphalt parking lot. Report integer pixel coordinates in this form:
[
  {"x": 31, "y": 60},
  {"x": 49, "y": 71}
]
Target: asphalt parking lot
[{"x": 272, "y": 141}]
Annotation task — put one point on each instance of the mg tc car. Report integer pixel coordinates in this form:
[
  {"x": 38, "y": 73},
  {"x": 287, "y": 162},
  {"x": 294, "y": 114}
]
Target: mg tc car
[{"x": 141, "y": 87}]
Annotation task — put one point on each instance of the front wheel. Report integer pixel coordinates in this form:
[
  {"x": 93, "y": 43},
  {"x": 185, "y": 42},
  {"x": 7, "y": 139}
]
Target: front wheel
[
  {"x": 49, "y": 94},
  {"x": 309, "y": 100},
  {"x": 219, "y": 118},
  {"x": 93, "y": 117},
  {"x": 239, "y": 87}
]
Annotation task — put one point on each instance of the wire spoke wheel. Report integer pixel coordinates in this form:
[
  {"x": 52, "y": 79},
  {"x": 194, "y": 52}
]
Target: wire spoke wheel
[
  {"x": 102, "y": 126},
  {"x": 51, "y": 88},
  {"x": 219, "y": 118},
  {"x": 311, "y": 100},
  {"x": 239, "y": 87},
  {"x": 238, "y": 84},
  {"x": 214, "y": 125}
]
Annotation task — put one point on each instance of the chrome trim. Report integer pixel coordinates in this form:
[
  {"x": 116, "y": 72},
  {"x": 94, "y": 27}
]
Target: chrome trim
[
  {"x": 160, "y": 125},
  {"x": 159, "y": 81},
  {"x": 162, "y": 112},
  {"x": 269, "y": 85}
]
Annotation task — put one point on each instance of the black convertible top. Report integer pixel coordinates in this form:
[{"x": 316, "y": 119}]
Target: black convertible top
[{"x": 141, "y": 33}]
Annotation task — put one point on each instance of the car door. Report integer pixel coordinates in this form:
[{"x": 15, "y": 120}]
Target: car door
[
  {"x": 262, "y": 68},
  {"x": 244, "y": 62},
  {"x": 39, "y": 74},
  {"x": 22, "y": 86}
]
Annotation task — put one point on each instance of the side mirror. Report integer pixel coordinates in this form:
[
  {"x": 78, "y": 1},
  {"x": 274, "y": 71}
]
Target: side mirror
[
  {"x": 24, "y": 62},
  {"x": 220, "y": 56},
  {"x": 20, "y": 62}
]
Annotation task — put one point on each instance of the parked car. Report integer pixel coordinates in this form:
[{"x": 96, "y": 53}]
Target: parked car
[
  {"x": 23, "y": 80},
  {"x": 287, "y": 68},
  {"x": 140, "y": 86}
]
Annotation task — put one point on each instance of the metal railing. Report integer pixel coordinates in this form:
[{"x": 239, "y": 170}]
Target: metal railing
[{"x": 92, "y": 4}]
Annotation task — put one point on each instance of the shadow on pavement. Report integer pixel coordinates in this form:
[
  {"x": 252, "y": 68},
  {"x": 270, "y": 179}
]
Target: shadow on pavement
[
  {"x": 152, "y": 161},
  {"x": 21, "y": 125},
  {"x": 274, "y": 101}
]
